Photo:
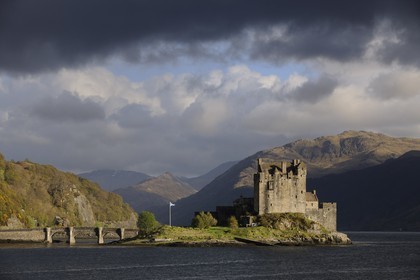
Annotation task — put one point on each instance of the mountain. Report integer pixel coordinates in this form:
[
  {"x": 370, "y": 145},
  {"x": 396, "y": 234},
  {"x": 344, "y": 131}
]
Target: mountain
[
  {"x": 350, "y": 150},
  {"x": 156, "y": 192},
  {"x": 383, "y": 197},
  {"x": 201, "y": 181},
  {"x": 40, "y": 195},
  {"x": 113, "y": 179}
]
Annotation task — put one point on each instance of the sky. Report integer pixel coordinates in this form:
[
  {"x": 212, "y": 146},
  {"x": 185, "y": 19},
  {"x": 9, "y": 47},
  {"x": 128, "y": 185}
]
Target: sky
[{"x": 182, "y": 86}]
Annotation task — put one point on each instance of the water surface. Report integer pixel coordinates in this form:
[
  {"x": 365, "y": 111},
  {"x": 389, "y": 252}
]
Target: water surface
[{"x": 373, "y": 256}]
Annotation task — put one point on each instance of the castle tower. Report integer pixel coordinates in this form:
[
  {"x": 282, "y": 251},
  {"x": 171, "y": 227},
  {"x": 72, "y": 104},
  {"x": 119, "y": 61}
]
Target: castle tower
[{"x": 280, "y": 187}]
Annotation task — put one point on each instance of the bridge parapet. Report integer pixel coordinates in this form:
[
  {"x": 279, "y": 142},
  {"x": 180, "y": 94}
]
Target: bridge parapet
[{"x": 70, "y": 233}]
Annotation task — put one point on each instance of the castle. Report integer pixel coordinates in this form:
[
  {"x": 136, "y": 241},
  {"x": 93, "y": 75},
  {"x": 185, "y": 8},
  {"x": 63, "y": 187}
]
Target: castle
[{"x": 280, "y": 187}]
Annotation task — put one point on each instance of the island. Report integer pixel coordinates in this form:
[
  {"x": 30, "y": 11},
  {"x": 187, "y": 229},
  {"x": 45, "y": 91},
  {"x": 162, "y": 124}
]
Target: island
[{"x": 281, "y": 212}]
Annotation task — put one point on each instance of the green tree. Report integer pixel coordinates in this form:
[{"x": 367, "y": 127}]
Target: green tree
[
  {"x": 147, "y": 224},
  {"x": 233, "y": 222},
  {"x": 203, "y": 220}
]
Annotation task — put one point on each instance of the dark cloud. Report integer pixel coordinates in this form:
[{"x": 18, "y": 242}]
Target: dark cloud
[
  {"x": 313, "y": 91},
  {"x": 305, "y": 42},
  {"x": 47, "y": 34},
  {"x": 68, "y": 107},
  {"x": 134, "y": 116}
]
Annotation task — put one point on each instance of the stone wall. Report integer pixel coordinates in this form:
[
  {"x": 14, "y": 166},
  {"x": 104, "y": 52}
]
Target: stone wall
[
  {"x": 326, "y": 215},
  {"x": 28, "y": 235},
  {"x": 280, "y": 187}
]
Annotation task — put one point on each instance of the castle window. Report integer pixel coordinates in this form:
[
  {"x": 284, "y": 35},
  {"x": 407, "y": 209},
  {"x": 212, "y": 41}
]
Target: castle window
[{"x": 270, "y": 185}]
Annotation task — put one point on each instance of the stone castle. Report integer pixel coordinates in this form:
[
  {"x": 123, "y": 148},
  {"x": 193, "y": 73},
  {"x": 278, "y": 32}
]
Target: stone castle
[{"x": 280, "y": 187}]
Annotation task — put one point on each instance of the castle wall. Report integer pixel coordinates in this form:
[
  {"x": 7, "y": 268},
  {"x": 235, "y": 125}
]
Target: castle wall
[
  {"x": 312, "y": 205},
  {"x": 280, "y": 187},
  {"x": 326, "y": 215}
]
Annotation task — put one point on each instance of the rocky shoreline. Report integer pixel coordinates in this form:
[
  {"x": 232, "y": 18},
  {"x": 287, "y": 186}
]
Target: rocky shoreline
[{"x": 331, "y": 239}]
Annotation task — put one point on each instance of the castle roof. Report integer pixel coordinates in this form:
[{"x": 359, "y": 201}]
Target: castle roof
[{"x": 310, "y": 196}]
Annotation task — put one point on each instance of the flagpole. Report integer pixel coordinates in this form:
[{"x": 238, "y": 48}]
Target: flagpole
[{"x": 170, "y": 218}]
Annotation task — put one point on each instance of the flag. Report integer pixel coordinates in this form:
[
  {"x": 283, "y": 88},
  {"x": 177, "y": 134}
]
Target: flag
[{"x": 171, "y": 204}]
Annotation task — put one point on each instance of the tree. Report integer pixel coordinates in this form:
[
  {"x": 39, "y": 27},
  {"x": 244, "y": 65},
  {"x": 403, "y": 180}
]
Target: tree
[
  {"x": 233, "y": 222},
  {"x": 147, "y": 224},
  {"x": 204, "y": 220}
]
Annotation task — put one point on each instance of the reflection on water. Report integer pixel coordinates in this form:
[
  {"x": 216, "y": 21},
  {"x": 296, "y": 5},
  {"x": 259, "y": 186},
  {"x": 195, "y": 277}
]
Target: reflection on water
[{"x": 373, "y": 256}]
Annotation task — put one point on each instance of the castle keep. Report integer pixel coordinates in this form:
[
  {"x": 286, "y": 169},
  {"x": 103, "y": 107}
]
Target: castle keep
[{"x": 280, "y": 187}]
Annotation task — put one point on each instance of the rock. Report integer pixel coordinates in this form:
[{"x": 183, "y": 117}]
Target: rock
[
  {"x": 62, "y": 222},
  {"x": 340, "y": 238}
]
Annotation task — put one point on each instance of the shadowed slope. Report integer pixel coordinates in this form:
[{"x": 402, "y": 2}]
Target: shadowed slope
[{"x": 349, "y": 150}]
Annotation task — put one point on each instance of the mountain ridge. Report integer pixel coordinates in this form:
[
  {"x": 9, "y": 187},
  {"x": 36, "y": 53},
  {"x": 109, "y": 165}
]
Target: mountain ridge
[
  {"x": 387, "y": 195},
  {"x": 110, "y": 179},
  {"x": 156, "y": 192},
  {"x": 350, "y": 150}
]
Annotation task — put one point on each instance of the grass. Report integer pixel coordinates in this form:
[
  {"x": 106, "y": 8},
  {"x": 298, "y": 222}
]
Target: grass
[{"x": 222, "y": 234}]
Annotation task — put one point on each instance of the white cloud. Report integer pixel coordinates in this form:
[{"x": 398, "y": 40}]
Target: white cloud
[{"x": 189, "y": 123}]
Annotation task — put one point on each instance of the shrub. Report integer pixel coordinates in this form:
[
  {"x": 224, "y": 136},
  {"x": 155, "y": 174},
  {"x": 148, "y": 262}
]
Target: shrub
[
  {"x": 285, "y": 221},
  {"x": 147, "y": 224},
  {"x": 9, "y": 174},
  {"x": 233, "y": 222},
  {"x": 203, "y": 220}
]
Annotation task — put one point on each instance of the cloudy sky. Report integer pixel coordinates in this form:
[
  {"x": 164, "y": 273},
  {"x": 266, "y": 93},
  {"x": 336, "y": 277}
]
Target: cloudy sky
[{"x": 185, "y": 85}]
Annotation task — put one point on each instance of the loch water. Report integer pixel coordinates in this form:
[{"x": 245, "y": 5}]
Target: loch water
[{"x": 374, "y": 255}]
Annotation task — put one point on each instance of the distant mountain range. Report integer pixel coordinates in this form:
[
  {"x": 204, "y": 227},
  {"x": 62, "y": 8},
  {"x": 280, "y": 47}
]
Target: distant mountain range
[
  {"x": 350, "y": 150},
  {"x": 373, "y": 177},
  {"x": 201, "y": 181},
  {"x": 155, "y": 192},
  {"x": 113, "y": 179},
  {"x": 144, "y": 192}
]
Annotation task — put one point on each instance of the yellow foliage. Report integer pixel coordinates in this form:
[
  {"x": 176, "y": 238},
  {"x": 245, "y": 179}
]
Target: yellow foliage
[{"x": 35, "y": 192}]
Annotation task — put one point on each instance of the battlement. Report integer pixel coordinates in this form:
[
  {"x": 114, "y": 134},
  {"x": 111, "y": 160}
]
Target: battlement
[{"x": 282, "y": 168}]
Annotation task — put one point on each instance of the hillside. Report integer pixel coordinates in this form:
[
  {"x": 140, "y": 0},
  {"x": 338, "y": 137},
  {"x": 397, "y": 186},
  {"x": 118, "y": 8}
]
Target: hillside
[
  {"x": 350, "y": 150},
  {"x": 156, "y": 192},
  {"x": 114, "y": 179},
  {"x": 201, "y": 181},
  {"x": 34, "y": 195},
  {"x": 383, "y": 197}
]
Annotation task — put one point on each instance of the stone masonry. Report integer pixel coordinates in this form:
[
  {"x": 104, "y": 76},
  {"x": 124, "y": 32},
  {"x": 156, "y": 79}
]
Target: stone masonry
[{"x": 280, "y": 187}]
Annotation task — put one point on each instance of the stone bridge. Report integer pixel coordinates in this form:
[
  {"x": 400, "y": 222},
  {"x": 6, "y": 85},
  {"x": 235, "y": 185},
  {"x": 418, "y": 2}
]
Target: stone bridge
[{"x": 69, "y": 233}]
